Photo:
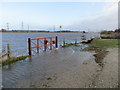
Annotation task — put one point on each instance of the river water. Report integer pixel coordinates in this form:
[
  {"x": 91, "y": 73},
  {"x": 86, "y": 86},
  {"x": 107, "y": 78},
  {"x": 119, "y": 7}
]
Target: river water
[
  {"x": 19, "y": 45},
  {"x": 34, "y": 71}
]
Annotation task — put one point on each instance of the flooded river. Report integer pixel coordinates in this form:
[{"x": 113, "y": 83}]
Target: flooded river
[
  {"x": 18, "y": 41},
  {"x": 37, "y": 69}
]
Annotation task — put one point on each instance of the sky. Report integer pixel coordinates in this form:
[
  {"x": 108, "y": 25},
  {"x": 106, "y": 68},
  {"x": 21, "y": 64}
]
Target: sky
[{"x": 89, "y": 16}]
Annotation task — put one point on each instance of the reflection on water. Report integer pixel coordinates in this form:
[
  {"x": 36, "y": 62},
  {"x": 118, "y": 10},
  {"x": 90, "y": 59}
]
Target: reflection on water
[{"x": 36, "y": 69}]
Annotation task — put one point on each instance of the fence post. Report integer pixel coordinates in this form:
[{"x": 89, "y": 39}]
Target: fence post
[
  {"x": 29, "y": 47},
  {"x": 8, "y": 51},
  {"x": 50, "y": 43},
  {"x": 63, "y": 42},
  {"x": 75, "y": 41},
  {"x": 37, "y": 45},
  {"x": 45, "y": 43},
  {"x": 56, "y": 45}
]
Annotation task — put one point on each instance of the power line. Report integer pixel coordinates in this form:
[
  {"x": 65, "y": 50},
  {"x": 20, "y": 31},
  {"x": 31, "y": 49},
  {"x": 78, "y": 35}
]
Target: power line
[
  {"x": 22, "y": 26},
  {"x": 28, "y": 27},
  {"x": 54, "y": 28},
  {"x": 7, "y": 26}
]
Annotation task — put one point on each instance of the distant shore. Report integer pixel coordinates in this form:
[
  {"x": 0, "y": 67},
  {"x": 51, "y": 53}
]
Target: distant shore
[{"x": 40, "y": 32}]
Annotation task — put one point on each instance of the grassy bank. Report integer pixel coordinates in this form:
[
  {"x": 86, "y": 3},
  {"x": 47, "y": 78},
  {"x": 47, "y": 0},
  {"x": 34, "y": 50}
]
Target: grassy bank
[
  {"x": 13, "y": 60},
  {"x": 71, "y": 44},
  {"x": 98, "y": 43}
]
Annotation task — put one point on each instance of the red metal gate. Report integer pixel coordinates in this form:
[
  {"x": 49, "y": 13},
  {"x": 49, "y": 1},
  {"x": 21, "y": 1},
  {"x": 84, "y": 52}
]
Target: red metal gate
[{"x": 38, "y": 43}]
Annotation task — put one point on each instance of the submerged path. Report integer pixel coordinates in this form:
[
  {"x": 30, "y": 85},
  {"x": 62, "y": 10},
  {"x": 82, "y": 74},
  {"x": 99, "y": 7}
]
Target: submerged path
[
  {"x": 63, "y": 68},
  {"x": 39, "y": 70}
]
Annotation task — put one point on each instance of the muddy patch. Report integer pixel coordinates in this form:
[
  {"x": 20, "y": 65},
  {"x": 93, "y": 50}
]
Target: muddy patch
[{"x": 99, "y": 56}]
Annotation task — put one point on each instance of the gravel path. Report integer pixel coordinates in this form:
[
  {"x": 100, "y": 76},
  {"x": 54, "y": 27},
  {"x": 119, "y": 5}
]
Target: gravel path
[
  {"x": 108, "y": 77},
  {"x": 91, "y": 75}
]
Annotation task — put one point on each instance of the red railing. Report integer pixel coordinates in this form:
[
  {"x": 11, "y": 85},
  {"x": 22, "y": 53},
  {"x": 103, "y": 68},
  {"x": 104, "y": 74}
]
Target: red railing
[{"x": 41, "y": 42}]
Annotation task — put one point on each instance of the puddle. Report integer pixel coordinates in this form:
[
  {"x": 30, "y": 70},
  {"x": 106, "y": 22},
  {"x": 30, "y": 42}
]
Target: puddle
[{"x": 77, "y": 48}]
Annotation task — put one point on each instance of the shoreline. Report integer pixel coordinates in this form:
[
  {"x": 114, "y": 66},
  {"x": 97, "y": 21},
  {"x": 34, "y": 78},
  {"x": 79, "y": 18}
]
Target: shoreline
[{"x": 40, "y": 32}]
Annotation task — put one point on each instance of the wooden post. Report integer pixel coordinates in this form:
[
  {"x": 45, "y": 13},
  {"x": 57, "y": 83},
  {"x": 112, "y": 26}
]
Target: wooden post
[
  {"x": 29, "y": 47},
  {"x": 56, "y": 45},
  {"x": 8, "y": 51},
  {"x": 37, "y": 45}
]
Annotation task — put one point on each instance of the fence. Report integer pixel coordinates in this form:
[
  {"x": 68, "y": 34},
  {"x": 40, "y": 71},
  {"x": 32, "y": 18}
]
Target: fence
[
  {"x": 38, "y": 43},
  {"x": 7, "y": 52}
]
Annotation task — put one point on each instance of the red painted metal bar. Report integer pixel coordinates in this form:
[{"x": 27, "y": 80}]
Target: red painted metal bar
[
  {"x": 33, "y": 43},
  {"x": 45, "y": 41},
  {"x": 41, "y": 46},
  {"x": 43, "y": 38},
  {"x": 52, "y": 42}
]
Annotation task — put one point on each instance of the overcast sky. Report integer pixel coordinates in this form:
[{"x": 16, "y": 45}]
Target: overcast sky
[{"x": 89, "y": 16}]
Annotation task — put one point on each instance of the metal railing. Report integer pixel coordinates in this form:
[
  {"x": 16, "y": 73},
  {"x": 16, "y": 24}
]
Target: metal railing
[{"x": 38, "y": 43}]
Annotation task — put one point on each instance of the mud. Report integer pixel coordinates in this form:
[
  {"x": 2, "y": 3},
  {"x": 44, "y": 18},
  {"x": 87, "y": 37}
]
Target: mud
[{"x": 99, "y": 56}]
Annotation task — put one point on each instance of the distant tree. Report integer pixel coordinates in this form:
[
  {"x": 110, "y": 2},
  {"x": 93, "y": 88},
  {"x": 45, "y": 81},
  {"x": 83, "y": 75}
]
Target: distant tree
[
  {"x": 3, "y": 30},
  {"x": 117, "y": 30},
  {"x": 104, "y": 32},
  {"x": 84, "y": 32}
]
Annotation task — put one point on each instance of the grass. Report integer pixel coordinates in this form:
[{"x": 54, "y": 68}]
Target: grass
[
  {"x": 71, "y": 44},
  {"x": 4, "y": 55},
  {"x": 13, "y": 59},
  {"x": 98, "y": 44},
  {"x": 105, "y": 43},
  {"x": 46, "y": 85},
  {"x": 32, "y": 86},
  {"x": 49, "y": 78}
]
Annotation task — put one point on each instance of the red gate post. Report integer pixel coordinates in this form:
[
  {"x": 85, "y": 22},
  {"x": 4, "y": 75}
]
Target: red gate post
[
  {"x": 75, "y": 41},
  {"x": 45, "y": 43},
  {"x": 29, "y": 47},
  {"x": 56, "y": 38},
  {"x": 37, "y": 45},
  {"x": 51, "y": 43}
]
